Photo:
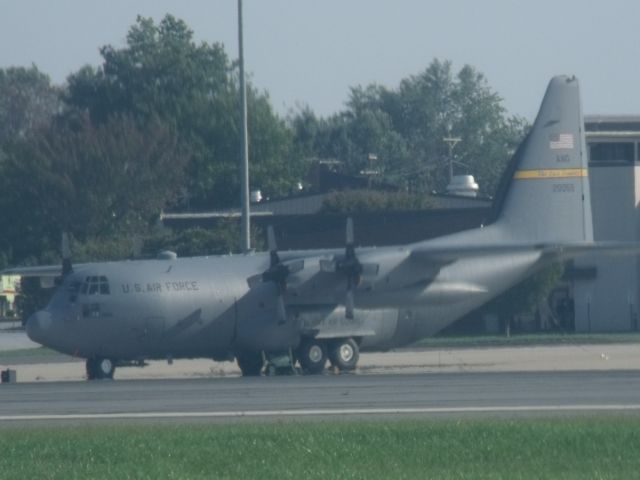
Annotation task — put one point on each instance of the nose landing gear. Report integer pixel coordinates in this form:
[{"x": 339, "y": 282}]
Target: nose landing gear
[{"x": 311, "y": 355}]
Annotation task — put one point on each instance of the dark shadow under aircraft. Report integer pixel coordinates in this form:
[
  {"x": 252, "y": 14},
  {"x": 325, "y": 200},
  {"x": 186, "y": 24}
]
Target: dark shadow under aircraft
[{"x": 326, "y": 304}]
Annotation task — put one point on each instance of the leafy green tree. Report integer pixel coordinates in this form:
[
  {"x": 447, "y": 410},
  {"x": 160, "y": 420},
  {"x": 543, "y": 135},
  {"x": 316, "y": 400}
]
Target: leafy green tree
[
  {"x": 218, "y": 240},
  {"x": 31, "y": 297},
  {"x": 525, "y": 297},
  {"x": 406, "y": 126},
  {"x": 28, "y": 102},
  {"x": 195, "y": 241},
  {"x": 163, "y": 72},
  {"x": 154, "y": 126},
  {"x": 89, "y": 181},
  {"x": 488, "y": 137}
]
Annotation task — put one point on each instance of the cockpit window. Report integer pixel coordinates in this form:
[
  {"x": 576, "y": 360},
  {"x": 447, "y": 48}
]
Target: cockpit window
[
  {"x": 95, "y": 285},
  {"x": 104, "y": 286}
]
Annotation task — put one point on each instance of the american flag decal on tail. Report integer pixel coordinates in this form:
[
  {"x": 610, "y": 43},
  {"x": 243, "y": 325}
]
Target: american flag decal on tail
[{"x": 562, "y": 141}]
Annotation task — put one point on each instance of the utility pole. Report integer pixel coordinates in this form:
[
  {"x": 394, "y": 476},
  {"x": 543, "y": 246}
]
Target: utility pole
[
  {"x": 244, "y": 143},
  {"x": 451, "y": 142}
]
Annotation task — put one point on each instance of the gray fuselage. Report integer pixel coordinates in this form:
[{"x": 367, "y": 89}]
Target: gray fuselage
[{"x": 203, "y": 306}]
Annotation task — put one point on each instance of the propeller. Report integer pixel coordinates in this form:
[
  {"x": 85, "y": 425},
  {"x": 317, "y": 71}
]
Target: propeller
[
  {"x": 277, "y": 273},
  {"x": 350, "y": 267}
]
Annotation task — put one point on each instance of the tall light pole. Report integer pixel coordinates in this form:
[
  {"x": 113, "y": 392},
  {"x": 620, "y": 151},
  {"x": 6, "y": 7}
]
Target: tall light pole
[{"x": 244, "y": 143}]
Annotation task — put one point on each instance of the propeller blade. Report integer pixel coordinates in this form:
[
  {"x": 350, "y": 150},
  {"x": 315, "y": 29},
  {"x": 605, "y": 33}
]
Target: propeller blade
[
  {"x": 349, "y": 304},
  {"x": 295, "y": 266},
  {"x": 282, "y": 310},
  {"x": 271, "y": 239},
  {"x": 277, "y": 274},
  {"x": 349, "y": 231},
  {"x": 273, "y": 247}
]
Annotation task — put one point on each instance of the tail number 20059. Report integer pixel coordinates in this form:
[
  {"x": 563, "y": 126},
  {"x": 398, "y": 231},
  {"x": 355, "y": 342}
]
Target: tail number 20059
[{"x": 564, "y": 188}]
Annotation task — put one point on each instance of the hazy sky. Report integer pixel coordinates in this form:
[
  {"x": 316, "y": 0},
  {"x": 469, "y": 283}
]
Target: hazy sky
[{"x": 310, "y": 51}]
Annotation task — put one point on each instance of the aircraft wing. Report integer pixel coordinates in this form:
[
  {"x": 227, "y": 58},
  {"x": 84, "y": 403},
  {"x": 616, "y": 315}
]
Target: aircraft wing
[
  {"x": 611, "y": 248},
  {"x": 562, "y": 251},
  {"x": 37, "y": 271}
]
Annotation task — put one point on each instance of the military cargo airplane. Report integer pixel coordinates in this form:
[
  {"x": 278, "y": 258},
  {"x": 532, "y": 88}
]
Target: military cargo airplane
[{"x": 242, "y": 306}]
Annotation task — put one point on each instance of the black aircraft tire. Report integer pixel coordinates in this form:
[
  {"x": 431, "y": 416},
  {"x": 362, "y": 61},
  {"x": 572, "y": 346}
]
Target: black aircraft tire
[
  {"x": 312, "y": 355},
  {"x": 250, "y": 363},
  {"x": 91, "y": 369},
  {"x": 99, "y": 368},
  {"x": 344, "y": 354}
]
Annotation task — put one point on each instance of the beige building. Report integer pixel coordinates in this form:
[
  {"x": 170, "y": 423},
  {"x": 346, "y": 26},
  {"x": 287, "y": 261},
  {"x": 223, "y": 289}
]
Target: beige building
[
  {"x": 8, "y": 287},
  {"x": 606, "y": 288}
]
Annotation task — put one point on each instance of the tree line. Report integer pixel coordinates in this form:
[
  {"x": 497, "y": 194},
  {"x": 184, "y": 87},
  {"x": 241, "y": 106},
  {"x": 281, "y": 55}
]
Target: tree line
[{"x": 155, "y": 127}]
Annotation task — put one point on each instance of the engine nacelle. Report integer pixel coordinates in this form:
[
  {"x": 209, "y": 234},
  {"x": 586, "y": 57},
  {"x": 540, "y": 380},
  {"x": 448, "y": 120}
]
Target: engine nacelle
[{"x": 259, "y": 327}]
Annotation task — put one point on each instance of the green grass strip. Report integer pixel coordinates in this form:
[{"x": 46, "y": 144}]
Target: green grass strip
[{"x": 567, "y": 448}]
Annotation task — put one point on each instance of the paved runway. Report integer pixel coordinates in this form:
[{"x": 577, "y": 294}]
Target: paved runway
[{"x": 362, "y": 396}]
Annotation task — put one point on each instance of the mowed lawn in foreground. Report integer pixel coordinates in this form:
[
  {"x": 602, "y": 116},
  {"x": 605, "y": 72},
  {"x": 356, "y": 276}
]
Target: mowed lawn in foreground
[{"x": 567, "y": 448}]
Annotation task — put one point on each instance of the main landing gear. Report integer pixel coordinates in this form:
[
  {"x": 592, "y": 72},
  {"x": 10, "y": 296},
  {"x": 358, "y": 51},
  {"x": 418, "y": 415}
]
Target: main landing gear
[
  {"x": 311, "y": 356},
  {"x": 343, "y": 353},
  {"x": 99, "y": 368},
  {"x": 252, "y": 364}
]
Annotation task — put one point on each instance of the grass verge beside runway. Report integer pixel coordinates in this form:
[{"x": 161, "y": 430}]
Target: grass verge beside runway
[{"x": 575, "y": 447}]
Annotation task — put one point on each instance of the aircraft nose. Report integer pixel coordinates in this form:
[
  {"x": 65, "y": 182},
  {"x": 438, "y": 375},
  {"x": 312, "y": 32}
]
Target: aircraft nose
[{"x": 38, "y": 324}]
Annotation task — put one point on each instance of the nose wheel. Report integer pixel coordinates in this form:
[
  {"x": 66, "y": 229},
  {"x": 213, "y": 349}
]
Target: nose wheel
[{"x": 99, "y": 368}]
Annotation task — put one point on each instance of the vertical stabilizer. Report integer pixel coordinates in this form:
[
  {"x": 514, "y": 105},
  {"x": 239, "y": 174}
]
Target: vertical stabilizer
[{"x": 545, "y": 196}]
